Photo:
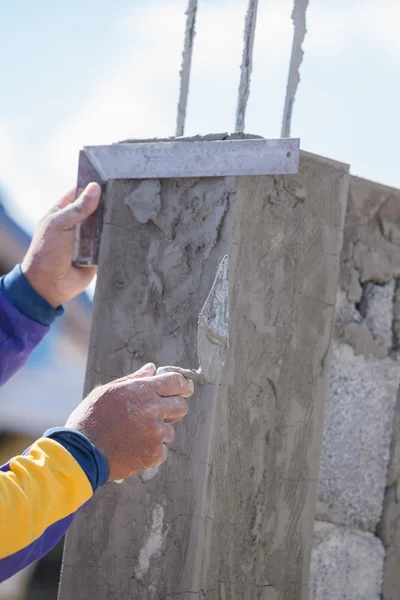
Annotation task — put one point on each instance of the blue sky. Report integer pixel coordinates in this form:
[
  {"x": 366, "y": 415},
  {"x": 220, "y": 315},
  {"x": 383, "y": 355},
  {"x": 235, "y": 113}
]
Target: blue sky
[{"x": 93, "y": 71}]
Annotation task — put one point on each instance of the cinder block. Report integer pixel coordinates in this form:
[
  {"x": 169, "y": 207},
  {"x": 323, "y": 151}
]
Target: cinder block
[
  {"x": 357, "y": 435},
  {"x": 345, "y": 311},
  {"x": 379, "y": 309},
  {"x": 345, "y": 564},
  {"x": 389, "y": 532}
]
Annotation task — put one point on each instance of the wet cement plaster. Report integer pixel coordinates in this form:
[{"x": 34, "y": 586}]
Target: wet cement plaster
[
  {"x": 244, "y": 463},
  {"x": 162, "y": 244}
]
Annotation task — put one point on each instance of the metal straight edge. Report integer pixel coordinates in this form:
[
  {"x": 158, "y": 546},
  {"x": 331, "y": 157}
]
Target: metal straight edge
[
  {"x": 195, "y": 159},
  {"x": 169, "y": 159}
]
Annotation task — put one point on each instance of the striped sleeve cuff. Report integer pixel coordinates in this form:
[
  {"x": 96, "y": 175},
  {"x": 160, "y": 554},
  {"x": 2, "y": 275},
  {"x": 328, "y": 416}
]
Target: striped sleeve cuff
[{"x": 90, "y": 459}]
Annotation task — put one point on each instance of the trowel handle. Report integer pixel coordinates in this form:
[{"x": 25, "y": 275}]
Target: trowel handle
[{"x": 192, "y": 374}]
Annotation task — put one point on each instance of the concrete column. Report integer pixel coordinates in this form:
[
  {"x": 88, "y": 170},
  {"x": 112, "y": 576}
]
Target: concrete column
[{"x": 230, "y": 515}]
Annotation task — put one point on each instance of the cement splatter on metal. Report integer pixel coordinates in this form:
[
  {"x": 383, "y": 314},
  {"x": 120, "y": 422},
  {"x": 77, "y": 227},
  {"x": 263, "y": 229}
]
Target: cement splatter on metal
[
  {"x": 300, "y": 30},
  {"x": 247, "y": 64}
]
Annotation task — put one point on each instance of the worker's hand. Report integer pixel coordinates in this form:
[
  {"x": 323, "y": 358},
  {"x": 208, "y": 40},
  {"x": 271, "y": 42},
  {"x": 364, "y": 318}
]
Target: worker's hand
[
  {"x": 47, "y": 264},
  {"x": 130, "y": 420}
]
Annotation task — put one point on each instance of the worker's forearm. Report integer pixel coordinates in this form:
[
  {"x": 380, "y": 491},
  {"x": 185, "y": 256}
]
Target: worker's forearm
[
  {"x": 41, "y": 493},
  {"x": 25, "y": 318}
]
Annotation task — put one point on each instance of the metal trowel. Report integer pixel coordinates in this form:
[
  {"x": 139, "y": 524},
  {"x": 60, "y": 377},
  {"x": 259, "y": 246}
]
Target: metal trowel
[{"x": 212, "y": 332}]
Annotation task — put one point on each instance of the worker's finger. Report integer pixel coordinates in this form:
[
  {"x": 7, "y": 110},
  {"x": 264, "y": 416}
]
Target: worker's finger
[
  {"x": 168, "y": 433},
  {"x": 64, "y": 201},
  {"x": 173, "y": 409},
  {"x": 145, "y": 371},
  {"x": 67, "y": 199},
  {"x": 76, "y": 212},
  {"x": 173, "y": 384}
]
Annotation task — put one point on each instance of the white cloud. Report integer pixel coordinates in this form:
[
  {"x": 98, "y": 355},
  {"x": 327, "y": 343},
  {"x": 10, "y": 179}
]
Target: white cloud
[
  {"x": 335, "y": 31},
  {"x": 381, "y": 24}
]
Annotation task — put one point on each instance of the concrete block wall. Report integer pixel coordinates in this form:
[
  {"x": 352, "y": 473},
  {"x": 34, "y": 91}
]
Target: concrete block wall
[{"x": 356, "y": 550}]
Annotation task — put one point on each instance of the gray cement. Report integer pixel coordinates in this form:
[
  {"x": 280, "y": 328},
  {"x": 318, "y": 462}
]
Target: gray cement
[
  {"x": 394, "y": 462},
  {"x": 245, "y": 461},
  {"x": 389, "y": 531},
  {"x": 379, "y": 313},
  {"x": 389, "y": 527},
  {"x": 396, "y": 318},
  {"x": 346, "y": 564},
  {"x": 170, "y": 237}
]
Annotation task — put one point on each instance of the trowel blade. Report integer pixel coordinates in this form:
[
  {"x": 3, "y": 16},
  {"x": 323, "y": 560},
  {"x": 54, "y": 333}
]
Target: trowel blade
[{"x": 213, "y": 326}]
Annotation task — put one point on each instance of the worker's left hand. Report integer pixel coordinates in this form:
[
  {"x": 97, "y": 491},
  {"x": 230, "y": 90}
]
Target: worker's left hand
[{"x": 47, "y": 264}]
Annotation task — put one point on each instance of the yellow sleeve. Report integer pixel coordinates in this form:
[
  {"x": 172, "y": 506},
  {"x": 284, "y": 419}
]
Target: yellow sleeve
[{"x": 40, "y": 493}]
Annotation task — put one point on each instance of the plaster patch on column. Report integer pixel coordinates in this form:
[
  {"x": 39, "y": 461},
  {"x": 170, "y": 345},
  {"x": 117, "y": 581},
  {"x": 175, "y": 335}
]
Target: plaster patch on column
[
  {"x": 154, "y": 543},
  {"x": 145, "y": 200},
  {"x": 149, "y": 474}
]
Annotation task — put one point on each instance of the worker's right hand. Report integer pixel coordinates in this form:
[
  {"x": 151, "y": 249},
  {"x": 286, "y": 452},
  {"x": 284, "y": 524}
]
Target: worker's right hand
[{"x": 130, "y": 419}]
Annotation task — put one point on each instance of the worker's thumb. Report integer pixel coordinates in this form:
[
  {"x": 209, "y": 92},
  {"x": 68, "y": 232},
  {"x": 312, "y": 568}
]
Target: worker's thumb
[
  {"x": 146, "y": 371},
  {"x": 76, "y": 212}
]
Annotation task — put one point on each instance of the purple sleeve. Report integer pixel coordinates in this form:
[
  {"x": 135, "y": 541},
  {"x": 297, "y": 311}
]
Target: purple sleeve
[{"x": 19, "y": 335}]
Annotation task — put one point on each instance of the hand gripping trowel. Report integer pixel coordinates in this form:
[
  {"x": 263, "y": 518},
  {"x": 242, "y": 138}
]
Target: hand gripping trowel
[{"x": 212, "y": 332}]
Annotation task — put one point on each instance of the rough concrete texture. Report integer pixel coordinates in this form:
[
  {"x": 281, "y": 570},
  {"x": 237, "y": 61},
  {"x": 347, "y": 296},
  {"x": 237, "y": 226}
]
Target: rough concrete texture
[
  {"x": 394, "y": 462},
  {"x": 345, "y": 310},
  {"x": 396, "y": 317},
  {"x": 389, "y": 531},
  {"x": 361, "y": 340},
  {"x": 161, "y": 247},
  {"x": 345, "y": 564},
  {"x": 389, "y": 527},
  {"x": 208, "y": 137},
  {"x": 266, "y": 456},
  {"x": 379, "y": 312},
  {"x": 363, "y": 414},
  {"x": 230, "y": 514},
  {"x": 351, "y": 329},
  {"x": 358, "y": 428},
  {"x": 371, "y": 245}
]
